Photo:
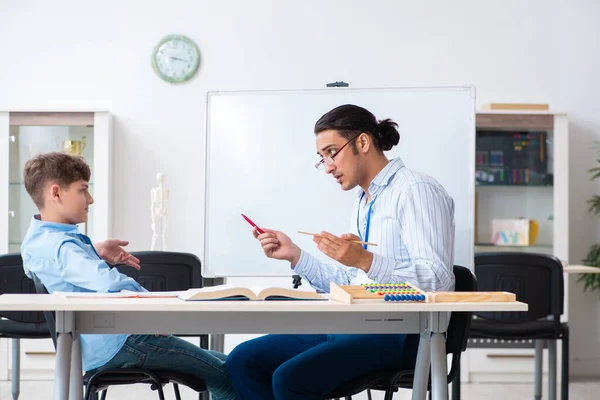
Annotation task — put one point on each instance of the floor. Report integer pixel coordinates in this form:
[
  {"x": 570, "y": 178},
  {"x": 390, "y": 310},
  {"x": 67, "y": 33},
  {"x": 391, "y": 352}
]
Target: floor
[{"x": 585, "y": 390}]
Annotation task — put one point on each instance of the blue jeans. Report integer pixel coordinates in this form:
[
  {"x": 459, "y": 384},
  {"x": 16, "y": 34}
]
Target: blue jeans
[
  {"x": 307, "y": 367},
  {"x": 170, "y": 353}
]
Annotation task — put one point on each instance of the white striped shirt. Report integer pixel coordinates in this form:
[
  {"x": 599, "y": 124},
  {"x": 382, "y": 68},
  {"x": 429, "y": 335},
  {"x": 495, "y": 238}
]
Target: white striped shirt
[{"x": 412, "y": 221}]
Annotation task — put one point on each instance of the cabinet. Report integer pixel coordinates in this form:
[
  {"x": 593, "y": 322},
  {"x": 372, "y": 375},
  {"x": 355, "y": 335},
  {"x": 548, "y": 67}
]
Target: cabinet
[
  {"x": 22, "y": 135},
  {"x": 522, "y": 163}
]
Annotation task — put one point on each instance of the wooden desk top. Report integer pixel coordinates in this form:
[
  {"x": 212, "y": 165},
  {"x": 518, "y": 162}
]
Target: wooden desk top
[
  {"x": 580, "y": 269},
  {"x": 49, "y": 302}
]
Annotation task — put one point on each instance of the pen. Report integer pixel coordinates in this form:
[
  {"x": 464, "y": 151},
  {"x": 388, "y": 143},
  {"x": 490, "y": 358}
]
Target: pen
[
  {"x": 353, "y": 241},
  {"x": 253, "y": 224}
]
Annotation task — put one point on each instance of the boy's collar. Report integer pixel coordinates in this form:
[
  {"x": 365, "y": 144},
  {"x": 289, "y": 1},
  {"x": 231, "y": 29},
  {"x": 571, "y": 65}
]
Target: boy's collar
[{"x": 39, "y": 224}]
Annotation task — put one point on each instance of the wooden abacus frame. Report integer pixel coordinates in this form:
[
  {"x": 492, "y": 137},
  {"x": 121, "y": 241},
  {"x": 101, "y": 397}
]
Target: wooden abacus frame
[{"x": 358, "y": 294}]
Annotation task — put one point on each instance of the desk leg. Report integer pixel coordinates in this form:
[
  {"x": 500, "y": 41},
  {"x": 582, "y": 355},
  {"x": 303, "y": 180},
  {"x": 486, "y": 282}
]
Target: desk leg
[
  {"x": 76, "y": 384},
  {"x": 439, "y": 367},
  {"x": 63, "y": 359},
  {"x": 217, "y": 342},
  {"x": 16, "y": 367},
  {"x": 422, "y": 368}
]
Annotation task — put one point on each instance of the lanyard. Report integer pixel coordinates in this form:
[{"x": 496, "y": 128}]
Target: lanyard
[{"x": 366, "y": 239}]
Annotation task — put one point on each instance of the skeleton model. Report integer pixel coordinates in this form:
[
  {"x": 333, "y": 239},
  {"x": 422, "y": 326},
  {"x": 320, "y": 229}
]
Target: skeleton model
[{"x": 160, "y": 203}]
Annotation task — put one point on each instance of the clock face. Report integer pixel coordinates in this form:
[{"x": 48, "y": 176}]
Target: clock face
[{"x": 176, "y": 59}]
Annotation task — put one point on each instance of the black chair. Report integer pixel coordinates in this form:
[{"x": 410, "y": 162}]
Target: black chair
[
  {"x": 536, "y": 279},
  {"x": 167, "y": 271},
  {"x": 160, "y": 271},
  {"x": 456, "y": 342},
  {"x": 18, "y": 325}
]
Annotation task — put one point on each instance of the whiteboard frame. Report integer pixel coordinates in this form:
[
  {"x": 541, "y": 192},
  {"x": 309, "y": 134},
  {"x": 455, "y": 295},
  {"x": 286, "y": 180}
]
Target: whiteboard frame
[{"x": 207, "y": 273}]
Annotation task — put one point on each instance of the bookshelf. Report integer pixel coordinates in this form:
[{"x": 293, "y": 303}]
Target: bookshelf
[
  {"x": 530, "y": 182},
  {"x": 513, "y": 141},
  {"x": 544, "y": 197},
  {"x": 24, "y": 134}
]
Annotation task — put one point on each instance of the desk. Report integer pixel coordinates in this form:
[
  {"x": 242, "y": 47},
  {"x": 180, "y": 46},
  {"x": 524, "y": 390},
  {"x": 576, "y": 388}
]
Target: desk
[
  {"x": 75, "y": 316},
  {"x": 580, "y": 269}
]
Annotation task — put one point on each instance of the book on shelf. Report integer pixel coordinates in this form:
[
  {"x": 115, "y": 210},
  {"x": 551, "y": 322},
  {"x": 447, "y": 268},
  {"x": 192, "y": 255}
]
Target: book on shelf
[{"x": 219, "y": 292}]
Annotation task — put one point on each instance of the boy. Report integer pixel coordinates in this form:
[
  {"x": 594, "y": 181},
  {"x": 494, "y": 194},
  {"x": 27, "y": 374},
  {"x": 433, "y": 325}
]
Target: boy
[{"x": 65, "y": 260}]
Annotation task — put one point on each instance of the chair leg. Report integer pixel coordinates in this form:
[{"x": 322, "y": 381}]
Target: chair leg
[
  {"x": 539, "y": 362},
  {"x": 161, "y": 394},
  {"x": 104, "y": 393},
  {"x": 389, "y": 390},
  {"x": 176, "y": 390},
  {"x": 369, "y": 394},
  {"x": 564, "y": 385},
  {"x": 389, "y": 395},
  {"x": 456, "y": 384},
  {"x": 552, "y": 368},
  {"x": 88, "y": 395}
]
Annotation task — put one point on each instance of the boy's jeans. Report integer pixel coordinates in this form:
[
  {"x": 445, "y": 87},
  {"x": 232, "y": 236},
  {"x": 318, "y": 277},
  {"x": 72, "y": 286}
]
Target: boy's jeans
[{"x": 170, "y": 353}]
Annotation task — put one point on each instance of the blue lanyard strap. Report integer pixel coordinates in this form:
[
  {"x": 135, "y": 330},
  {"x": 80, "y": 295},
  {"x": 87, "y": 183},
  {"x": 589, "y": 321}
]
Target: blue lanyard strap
[{"x": 366, "y": 239}]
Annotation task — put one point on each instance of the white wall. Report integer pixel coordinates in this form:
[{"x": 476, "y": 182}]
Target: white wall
[{"x": 69, "y": 54}]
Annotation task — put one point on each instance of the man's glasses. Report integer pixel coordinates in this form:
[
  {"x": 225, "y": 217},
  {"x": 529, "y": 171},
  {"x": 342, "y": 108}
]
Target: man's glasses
[{"x": 327, "y": 161}]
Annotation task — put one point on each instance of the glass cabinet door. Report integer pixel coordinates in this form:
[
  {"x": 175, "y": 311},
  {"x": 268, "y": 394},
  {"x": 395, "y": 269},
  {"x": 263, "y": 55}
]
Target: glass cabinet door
[
  {"x": 24, "y": 143},
  {"x": 514, "y": 202}
]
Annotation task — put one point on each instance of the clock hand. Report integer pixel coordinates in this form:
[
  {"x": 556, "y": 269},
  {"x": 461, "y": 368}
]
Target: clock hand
[{"x": 178, "y": 59}]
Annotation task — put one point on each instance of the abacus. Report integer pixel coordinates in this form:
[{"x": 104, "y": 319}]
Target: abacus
[
  {"x": 393, "y": 292},
  {"x": 402, "y": 292},
  {"x": 406, "y": 293}
]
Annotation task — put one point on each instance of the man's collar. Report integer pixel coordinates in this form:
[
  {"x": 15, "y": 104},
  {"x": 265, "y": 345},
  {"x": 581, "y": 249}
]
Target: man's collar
[{"x": 383, "y": 178}]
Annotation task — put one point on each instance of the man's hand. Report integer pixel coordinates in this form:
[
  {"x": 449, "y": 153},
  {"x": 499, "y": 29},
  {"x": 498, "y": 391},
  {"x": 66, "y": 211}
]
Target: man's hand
[
  {"x": 112, "y": 252},
  {"x": 344, "y": 251},
  {"x": 278, "y": 245}
]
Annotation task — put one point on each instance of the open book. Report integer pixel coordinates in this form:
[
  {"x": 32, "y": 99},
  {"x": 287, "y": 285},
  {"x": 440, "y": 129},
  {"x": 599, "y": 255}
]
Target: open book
[
  {"x": 220, "y": 292},
  {"x": 228, "y": 292}
]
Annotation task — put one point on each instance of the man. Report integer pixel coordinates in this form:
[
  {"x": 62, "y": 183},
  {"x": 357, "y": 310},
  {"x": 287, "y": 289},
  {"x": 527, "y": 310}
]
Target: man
[{"x": 411, "y": 218}]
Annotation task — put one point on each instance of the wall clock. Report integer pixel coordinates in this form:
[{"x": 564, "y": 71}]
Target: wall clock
[{"x": 176, "y": 58}]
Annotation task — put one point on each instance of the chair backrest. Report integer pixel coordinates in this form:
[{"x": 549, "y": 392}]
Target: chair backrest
[
  {"x": 14, "y": 280},
  {"x": 165, "y": 271},
  {"x": 48, "y": 315},
  {"x": 161, "y": 271},
  {"x": 535, "y": 279},
  {"x": 460, "y": 322}
]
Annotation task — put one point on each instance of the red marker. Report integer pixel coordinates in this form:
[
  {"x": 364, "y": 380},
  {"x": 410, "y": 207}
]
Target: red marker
[{"x": 253, "y": 224}]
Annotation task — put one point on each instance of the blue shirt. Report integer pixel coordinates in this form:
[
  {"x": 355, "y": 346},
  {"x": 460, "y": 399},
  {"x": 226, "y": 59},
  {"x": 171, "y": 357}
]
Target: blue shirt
[
  {"x": 412, "y": 222},
  {"x": 65, "y": 260}
]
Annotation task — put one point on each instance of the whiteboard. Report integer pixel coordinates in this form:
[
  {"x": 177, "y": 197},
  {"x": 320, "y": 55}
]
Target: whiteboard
[{"x": 260, "y": 153}]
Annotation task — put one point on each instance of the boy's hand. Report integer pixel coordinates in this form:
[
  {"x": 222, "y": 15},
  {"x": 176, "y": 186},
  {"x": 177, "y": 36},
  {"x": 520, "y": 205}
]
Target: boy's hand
[{"x": 112, "y": 252}]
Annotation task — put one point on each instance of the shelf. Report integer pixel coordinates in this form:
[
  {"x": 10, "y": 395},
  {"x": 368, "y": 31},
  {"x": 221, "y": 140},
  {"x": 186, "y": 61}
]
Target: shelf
[
  {"x": 23, "y": 183},
  {"x": 490, "y": 248},
  {"x": 512, "y": 185}
]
